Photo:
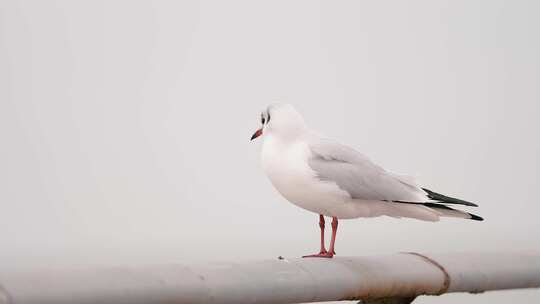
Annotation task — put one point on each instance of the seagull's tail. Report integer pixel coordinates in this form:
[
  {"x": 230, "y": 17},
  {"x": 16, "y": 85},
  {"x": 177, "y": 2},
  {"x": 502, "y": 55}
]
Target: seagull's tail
[
  {"x": 423, "y": 211},
  {"x": 444, "y": 210}
]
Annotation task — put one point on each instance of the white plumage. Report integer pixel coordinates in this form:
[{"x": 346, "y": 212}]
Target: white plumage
[{"x": 327, "y": 178}]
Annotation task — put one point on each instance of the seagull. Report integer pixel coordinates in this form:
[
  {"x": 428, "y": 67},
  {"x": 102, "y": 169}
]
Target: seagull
[{"x": 334, "y": 180}]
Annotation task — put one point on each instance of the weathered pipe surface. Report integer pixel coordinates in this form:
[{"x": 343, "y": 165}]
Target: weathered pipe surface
[{"x": 276, "y": 281}]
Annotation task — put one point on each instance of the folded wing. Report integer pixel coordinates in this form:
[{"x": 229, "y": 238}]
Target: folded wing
[{"x": 359, "y": 176}]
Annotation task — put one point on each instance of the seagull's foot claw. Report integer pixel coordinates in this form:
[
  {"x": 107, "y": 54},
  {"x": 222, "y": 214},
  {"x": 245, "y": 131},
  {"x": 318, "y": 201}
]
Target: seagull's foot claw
[{"x": 322, "y": 254}]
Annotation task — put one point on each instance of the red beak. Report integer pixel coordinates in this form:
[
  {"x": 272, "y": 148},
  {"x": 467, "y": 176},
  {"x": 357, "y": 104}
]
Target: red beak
[{"x": 256, "y": 134}]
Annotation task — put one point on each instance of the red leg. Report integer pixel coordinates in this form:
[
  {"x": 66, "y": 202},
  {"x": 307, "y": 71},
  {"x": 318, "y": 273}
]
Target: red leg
[
  {"x": 321, "y": 225},
  {"x": 323, "y": 253},
  {"x": 331, "y": 251}
]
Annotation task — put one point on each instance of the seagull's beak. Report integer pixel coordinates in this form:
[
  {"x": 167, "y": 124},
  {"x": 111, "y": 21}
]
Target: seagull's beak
[{"x": 256, "y": 134}]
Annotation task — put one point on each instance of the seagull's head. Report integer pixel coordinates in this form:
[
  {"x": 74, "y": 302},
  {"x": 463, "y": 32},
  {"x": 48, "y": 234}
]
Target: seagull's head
[{"x": 280, "y": 119}]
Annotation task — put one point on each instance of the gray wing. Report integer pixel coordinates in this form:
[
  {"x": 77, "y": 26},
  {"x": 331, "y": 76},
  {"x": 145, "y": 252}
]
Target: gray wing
[{"x": 359, "y": 176}]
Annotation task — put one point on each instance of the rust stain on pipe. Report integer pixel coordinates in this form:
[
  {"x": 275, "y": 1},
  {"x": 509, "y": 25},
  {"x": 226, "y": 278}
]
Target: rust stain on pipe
[
  {"x": 447, "y": 279},
  {"x": 398, "y": 289}
]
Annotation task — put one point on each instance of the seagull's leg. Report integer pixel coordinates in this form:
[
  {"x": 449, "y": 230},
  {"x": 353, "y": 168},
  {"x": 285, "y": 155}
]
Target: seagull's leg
[
  {"x": 323, "y": 253},
  {"x": 331, "y": 251},
  {"x": 321, "y": 225}
]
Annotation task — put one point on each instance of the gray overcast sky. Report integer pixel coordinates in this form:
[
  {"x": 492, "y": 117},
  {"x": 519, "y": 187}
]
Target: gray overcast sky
[{"x": 124, "y": 125}]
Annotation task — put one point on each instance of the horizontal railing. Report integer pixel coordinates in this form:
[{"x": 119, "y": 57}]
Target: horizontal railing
[{"x": 398, "y": 276}]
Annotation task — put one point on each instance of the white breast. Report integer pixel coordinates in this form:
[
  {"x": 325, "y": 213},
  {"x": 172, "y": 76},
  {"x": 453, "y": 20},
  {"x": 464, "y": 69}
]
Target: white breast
[{"x": 286, "y": 166}]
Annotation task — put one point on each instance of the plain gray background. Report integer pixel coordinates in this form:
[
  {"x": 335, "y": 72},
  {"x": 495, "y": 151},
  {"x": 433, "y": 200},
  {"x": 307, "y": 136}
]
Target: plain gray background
[{"x": 124, "y": 125}]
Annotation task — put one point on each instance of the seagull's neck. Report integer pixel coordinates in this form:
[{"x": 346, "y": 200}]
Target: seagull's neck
[{"x": 289, "y": 135}]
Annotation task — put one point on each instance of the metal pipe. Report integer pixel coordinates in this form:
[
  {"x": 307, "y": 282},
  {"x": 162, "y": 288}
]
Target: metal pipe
[{"x": 403, "y": 275}]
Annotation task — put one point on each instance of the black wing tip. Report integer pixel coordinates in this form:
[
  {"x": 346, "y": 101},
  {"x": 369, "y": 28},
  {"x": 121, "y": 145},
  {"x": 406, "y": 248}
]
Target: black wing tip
[
  {"x": 470, "y": 204},
  {"x": 475, "y": 217},
  {"x": 446, "y": 199}
]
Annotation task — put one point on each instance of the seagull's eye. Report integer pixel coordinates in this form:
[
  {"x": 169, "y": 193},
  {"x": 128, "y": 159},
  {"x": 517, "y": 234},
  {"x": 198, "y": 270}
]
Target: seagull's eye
[{"x": 262, "y": 119}]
